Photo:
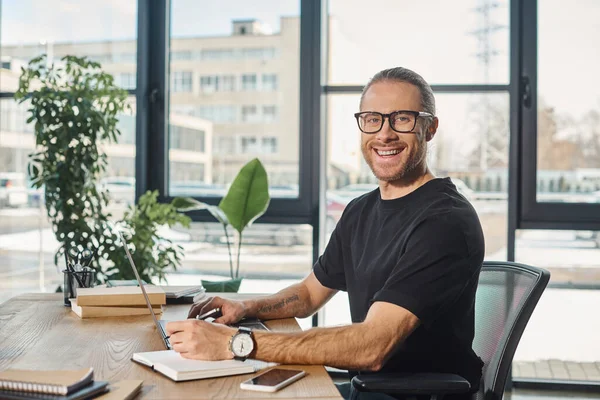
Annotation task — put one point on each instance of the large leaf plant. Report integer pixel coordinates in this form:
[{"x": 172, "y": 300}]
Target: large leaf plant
[{"x": 246, "y": 200}]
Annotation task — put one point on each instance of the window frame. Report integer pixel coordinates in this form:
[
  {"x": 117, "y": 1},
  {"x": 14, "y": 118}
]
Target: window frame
[
  {"x": 534, "y": 214},
  {"x": 152, "y": 163}
]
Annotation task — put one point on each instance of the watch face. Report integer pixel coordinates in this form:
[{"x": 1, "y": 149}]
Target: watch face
[{"x": 242, "y": 345}]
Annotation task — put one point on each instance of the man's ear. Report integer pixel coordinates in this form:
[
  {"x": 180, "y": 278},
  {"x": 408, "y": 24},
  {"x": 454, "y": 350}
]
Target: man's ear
[{"x": 431, "y": 129}]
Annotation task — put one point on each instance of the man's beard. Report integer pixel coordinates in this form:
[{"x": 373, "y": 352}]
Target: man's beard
[{"x": 408, "y": 171}]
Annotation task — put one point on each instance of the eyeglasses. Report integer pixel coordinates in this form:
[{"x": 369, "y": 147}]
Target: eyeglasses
[{"x": 403, "y": 121}]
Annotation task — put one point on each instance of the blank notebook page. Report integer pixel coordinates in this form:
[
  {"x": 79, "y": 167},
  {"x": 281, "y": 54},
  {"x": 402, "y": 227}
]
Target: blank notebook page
[{"x": 173, "y": 360}]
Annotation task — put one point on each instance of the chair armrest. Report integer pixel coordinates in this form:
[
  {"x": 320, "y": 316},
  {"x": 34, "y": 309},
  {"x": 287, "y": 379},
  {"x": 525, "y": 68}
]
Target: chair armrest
[{"x": 411, "y": 384}]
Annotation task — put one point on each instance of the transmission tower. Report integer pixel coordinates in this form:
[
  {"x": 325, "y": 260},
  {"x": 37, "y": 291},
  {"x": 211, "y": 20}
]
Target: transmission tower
[{"x": 486, "y": 11}]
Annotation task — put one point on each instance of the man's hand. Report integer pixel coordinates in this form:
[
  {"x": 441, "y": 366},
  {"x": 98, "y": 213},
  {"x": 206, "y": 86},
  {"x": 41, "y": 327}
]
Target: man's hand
[
  {"x": 200, "y": 340},
  {"x": 232, "y": 311}
]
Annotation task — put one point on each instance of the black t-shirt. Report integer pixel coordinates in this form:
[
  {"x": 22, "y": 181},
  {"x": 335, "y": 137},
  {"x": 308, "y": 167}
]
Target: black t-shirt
[{"x": 423, "y": 252}]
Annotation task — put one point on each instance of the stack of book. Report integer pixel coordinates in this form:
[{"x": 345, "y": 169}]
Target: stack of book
[
  {"x": 71, "y": 385},
  {"x": 63, "y": 385},
  {"x": 117, "y": 301}
]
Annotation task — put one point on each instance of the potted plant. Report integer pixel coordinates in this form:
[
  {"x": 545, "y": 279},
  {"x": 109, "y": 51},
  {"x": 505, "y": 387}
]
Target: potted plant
[
  {"x": 246, "y": 200},
  {"x": 75, "y": 107}
]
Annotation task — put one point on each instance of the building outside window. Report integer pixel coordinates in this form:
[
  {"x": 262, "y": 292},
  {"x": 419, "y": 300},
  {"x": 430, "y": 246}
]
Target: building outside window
[
  {"x": 249, "y": 114},
  {"x": 124, "y": 57},
  {"x": 209, "y": 84},
  {"x": 184, "y": 138},
  {"x": 217, "y": 113},
  {"x": 269, "y": 82},
  {"x": 217, "y": 54},
  {"x": 181, "y": 55},
  {"x": 263, "y": 53},
  {"x": 227, "y": 83},
  {"x": 249, "y": 145},
  {"x": 249, "y": 82},
  {"x": 269, "y": 145},
  {"x": 127, "y": 80},
  {"x": 181, "y": 81},
  {"x": 225, "y": 144},
  {"x": 269, "y": 113}
]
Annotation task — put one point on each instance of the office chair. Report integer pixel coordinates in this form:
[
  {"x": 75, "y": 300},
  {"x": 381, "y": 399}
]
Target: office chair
[{"x": 506, "y": 296}]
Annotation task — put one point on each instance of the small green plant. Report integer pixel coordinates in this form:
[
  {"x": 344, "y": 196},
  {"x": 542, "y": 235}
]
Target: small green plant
[
  {"x": 247, "y": 199},
  {"x": 153, "y": 254}
]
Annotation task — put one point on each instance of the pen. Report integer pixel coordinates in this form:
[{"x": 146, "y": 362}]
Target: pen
[{"x": 214, "y": 313}]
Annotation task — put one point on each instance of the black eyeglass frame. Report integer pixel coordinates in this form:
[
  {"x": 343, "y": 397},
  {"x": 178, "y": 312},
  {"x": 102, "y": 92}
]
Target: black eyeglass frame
[{"x": 417, "y": 114}]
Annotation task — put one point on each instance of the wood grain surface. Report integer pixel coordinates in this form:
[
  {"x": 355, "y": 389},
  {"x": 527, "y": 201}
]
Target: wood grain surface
[{"x": 38, "y": 332}]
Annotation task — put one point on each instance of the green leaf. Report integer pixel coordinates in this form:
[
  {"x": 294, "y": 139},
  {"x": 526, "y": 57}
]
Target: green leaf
[
  {"x": 189, "y": 204},
  {"x": 248, "y": 196}
]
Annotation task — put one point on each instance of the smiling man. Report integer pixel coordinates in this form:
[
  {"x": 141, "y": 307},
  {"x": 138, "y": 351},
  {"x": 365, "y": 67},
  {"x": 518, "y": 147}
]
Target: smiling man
[{"x": 408, "y": 254}]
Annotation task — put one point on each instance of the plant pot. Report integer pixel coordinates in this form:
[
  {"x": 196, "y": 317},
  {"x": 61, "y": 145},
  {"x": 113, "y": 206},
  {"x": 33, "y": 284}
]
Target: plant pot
[{"x": 229, "y": 286}]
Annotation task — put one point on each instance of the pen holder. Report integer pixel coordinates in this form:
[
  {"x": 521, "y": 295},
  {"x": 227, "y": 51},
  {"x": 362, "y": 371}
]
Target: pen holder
[{"x": 74, "y": 280}]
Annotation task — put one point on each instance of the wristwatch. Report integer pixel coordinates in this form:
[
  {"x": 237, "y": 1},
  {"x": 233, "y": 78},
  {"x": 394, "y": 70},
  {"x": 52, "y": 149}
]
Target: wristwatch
[{"x": 242, "y": 343}]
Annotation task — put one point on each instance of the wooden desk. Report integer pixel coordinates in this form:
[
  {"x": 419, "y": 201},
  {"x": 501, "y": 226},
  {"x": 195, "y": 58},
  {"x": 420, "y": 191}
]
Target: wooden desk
[{"x": 38, "y": 332}]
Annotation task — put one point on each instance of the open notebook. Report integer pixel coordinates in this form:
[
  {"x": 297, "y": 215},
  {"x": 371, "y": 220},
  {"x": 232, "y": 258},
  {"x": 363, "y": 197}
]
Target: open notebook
[{"x": 172, "y": 365}]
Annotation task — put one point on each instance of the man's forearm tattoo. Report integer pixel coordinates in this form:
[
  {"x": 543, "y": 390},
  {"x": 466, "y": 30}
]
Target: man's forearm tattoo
[{"x": 279, "y": 304}]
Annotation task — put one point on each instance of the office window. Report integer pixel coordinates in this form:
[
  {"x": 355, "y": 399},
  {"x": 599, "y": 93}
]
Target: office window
[
  {"x": 180, "y": 172},
  {"x": 127, "y": 80},
  {"x": 209, "y": 84},
  {"x": 478, "y": 47},
  {"x": 249, "y": 114},
  {"x": 234, "y": 112},
  {"x": 127, "y": 127},
  {"x": 572, "y": 257},
  {"x": 471, "y": 147},
  {"x": 95, "y": 29},
  {"x": 269, "y": 82},
  {"x": 181, "y": 81},
  {"x": 568, "y": 115},
  {"x": 269, "y": 113},
  {"x": 249, "y": 82},
  {"x": 269, "y": 145}
]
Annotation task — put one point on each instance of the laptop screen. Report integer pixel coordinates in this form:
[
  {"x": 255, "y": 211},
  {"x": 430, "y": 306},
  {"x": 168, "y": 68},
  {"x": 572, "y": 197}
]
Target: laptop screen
[{"x": 159, "y": 327}]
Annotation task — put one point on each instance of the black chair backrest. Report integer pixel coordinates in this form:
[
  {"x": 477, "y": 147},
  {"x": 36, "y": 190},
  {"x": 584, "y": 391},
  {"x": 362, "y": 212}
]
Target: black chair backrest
[{"x": 506, "y": 297}]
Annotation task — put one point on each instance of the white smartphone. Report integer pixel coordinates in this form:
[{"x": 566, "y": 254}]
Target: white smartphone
[{"x": 272, "y": 380}]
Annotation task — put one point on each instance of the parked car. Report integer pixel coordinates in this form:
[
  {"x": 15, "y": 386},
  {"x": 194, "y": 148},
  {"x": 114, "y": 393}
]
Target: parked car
[{"x": 13, "y": 189}]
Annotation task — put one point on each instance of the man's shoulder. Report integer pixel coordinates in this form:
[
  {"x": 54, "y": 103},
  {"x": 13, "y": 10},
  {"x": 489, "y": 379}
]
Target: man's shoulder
[{"x": 359, "y": 204}]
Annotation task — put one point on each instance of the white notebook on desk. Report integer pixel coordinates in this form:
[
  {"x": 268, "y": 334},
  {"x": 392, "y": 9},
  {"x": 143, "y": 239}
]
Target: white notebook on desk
[{"x": 172, "y": 365}]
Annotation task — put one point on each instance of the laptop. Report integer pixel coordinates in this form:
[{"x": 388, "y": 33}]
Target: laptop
[
  {"x": 251, "y": 323},
  {"x": 159, "y": 326}
]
